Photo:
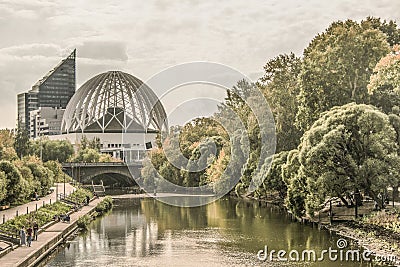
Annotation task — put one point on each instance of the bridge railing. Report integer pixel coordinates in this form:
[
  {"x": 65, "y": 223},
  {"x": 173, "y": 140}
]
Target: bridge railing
[{"x": 99, "y": 164}]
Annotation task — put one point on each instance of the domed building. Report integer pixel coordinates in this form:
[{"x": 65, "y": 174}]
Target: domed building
[{"x": 120, "y": 110}]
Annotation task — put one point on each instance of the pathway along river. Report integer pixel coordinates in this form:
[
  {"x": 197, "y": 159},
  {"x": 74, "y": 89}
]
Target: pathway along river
[{"x": 228, "y": 232}]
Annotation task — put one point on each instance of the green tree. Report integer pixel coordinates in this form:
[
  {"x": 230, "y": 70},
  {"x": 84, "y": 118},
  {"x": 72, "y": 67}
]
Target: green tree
[
  {"x": 43, "y": 176},
  {"x": 384, "y": 85},
  {"x": 349, "y": 149},
  {"x": 7, "y": 151},
  {"x": 3, "y": 186},
  {"x": 280, "y": 87},
  {"x": 395, "y": 121},
  {"x": 296, "y": 183},
  {"x": 58, "y": 150},
  {"x": 271, "y": 170},
  {"x": 389, "y": 28},
  {"x": 87, "y": 155},
  {"x": 149, "y": 174},
  {"x": 56, "y": 168},
  {"x": 336, "y": 68},
  {"x": 21, "y": 142},
  {"x": 13, "y": 181}
]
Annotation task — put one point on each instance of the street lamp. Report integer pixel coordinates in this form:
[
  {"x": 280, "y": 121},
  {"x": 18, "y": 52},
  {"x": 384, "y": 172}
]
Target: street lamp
[{"x": 64, "y": 184}]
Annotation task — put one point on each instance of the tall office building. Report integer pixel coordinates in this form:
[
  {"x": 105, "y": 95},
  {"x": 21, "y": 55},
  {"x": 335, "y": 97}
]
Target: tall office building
[
  {"x": 45, "y": 121},
  {"x": 54, "y": 90}
]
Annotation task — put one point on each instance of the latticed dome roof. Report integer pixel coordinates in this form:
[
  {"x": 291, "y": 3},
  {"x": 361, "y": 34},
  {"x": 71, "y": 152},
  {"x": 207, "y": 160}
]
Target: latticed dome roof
[{"x": 114, "y": 101}]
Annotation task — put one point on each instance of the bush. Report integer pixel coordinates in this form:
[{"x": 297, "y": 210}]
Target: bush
[
  {"x": 105, "y": 205},
  {"x": 79, "y": 196},
  {"x": 84, "y": 221},
  {"x": 44, "y": 215}
]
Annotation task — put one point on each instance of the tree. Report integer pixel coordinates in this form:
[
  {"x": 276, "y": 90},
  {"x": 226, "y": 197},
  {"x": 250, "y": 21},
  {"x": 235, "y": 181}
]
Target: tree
[
  {"x": 336, "y": 68},
  {"x": 349, "y": 149},
  {"x": 87, "y": 155},
  {"x": 43, "y": 176},
  {"x": 7, "y": 151},
  {"x": 3, "y": 186},
  {"x": 271, "y": 170},
  {"x": 384, "y": 85},
  {"x": 296, "y": 183},
  {"x": 56, "y": 168},
  {"x": 149, "y": 175},
  {"x": 280, "y": 87},
  {"x": 388, "y": 28},
  {"x": 58, "y": 150},
  {"x": 395, "y": 121},
  {"x": 13, "y": 181},
  {"x": 21, "y": 142}
]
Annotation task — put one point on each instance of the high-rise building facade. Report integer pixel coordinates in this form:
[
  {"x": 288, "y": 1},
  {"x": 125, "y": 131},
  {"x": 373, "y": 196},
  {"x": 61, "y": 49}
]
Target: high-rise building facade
[
  {"x": 45, "y": 121},
  {"x": 54, "y": 90}
]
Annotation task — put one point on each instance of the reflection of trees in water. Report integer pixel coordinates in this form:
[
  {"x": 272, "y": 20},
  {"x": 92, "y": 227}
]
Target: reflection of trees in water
[
  {"x": 139, "y": 228},
  {"x": 243, "y": 223}
]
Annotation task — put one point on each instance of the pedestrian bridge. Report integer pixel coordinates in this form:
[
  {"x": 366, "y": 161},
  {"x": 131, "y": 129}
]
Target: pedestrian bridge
[{"x": 111, "y": 173}]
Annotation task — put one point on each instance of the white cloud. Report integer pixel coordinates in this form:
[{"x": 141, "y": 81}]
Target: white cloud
[{"x": 144, "y": 37}]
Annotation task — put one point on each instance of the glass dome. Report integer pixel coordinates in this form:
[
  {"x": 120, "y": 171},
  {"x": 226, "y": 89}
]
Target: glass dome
[{"x": 114, "y": 102}]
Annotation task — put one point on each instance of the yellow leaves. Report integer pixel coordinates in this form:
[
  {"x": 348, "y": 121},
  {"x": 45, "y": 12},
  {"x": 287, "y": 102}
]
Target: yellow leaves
[{"x": 215, "y": 171}]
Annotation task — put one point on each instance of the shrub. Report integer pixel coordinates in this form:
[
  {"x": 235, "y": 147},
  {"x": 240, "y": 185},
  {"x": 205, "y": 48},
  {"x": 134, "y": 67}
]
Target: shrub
[
  {"x": 105, "y": 205},
  {"x": 79, "y": 195},
  {"x": 84, "y": 221},
  {"x": 42, "y": 216}
]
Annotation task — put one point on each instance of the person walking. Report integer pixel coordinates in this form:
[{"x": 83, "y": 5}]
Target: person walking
[
  {"x": 35, "y": 231},
  {"x": 29, "y": 233},
  {"x": 22, "y": 236}
]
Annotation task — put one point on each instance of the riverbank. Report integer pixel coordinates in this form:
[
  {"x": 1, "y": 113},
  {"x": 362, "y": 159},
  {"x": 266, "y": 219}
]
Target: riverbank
[
  {"x": 48, "y": 240},
  {"x": 381, "y": 241}
]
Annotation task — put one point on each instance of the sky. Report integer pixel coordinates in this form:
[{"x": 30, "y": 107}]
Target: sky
[{"x": 145, "y": 37}]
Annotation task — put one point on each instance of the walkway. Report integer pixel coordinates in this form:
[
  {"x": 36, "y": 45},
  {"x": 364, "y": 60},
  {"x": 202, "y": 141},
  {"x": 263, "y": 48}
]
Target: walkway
[
  {"x": 46, "y": 239},
  {"x": 8, "y": 214}
]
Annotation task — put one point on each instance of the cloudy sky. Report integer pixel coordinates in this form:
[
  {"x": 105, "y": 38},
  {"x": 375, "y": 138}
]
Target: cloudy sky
[{"x": 145, "y": 37}]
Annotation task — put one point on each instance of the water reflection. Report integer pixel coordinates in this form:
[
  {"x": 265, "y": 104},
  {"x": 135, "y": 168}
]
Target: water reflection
[{"x": 228, "y": 232}]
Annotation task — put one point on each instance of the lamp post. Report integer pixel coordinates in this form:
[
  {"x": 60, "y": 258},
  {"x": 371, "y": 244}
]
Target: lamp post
[
  {"x": 64, "y": 184},
  {"x": 40, "y": 142}
]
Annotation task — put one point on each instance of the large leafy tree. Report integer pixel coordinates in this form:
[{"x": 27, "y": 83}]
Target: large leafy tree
[
  {"x": 395, "y": 121},
  {"x": 296, "y": 183},
  {"x": 389, "y": 28},
  {"x": 7, "y": 151},
  {"x": 58, "y": 150},
  {"x": 43, "y": 175},
  {"x": 280, "y": 87},
  {"x": 21, "y": 142},
  {"x": 272, "y": 173},
  {"x": 349, "y": 149},
  {"x": 13, "y": 181},
  {"x": 336, "y": 68},
  {"x": 3, "y": 186},
  {"x": 384, "y": 85}
]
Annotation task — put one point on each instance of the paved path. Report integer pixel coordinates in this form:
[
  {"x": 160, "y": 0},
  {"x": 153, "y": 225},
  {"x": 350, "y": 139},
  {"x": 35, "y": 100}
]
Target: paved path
[
  {"x": 22, "y": 253},
  {"x": 11, "y": 213}
]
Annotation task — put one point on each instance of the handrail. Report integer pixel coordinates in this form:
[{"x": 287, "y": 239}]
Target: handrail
[{"x": 98, "y": 164}]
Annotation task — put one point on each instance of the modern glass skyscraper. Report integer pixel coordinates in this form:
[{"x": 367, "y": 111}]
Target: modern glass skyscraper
[{"x": 54, "y": 90}]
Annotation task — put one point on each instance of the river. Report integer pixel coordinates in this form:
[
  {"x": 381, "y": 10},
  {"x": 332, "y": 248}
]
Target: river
[{"x": 227, "y": 232}]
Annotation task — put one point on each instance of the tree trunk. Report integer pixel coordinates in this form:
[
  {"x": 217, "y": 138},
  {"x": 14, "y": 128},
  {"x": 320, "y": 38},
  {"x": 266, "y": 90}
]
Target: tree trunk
[
  {"x": 396, "y": 192},
  {"x": 375, "y": 197},
  {"x": 345, "y": 202}
]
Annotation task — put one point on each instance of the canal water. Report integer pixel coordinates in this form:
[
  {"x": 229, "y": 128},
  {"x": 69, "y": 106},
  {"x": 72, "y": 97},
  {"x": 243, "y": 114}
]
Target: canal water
[{"x": 227, "y": 232}]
